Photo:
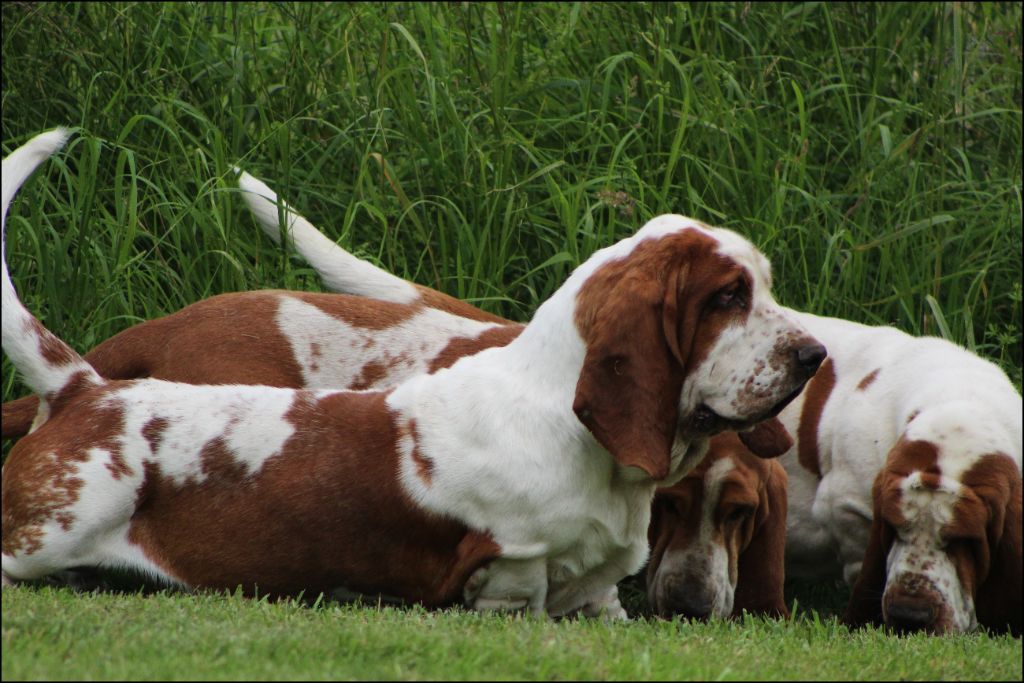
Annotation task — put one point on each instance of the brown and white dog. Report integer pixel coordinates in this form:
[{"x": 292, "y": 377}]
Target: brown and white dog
[
  {"x": 938, "y": 426},
  {"x": 906, "y": 480},
  {"x": 520, "y": 476},
  {"x": 718, "y": 536}
]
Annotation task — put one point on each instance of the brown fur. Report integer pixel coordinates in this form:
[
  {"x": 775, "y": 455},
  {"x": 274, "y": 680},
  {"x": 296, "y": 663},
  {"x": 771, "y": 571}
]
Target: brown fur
[
  {"x": 226, "y": 339},
  {"x": 816, "y": 395},
  {"x": 466, "y": 346},
  {"x": 431, "y": 298},
  {"x": 640, "y": 319},
  {"x": 995, "y": 573},
  {"x": 988, "y": 512},
  {"x": 39, "y": 481},
  {"x": 866, "y": 381},
  {"x": 311, "y": 519},
  {"x": 755, "y": 545}
]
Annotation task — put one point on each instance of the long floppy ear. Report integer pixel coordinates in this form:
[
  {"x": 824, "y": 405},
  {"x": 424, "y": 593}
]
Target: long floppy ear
[
  {"x": 865, "y": 606},
  {"x": 761, "y": 569},
  {"x": 628, "y": 390},
  {"x": 768, "y": 439},
  {"x": 998, "y": 599}
]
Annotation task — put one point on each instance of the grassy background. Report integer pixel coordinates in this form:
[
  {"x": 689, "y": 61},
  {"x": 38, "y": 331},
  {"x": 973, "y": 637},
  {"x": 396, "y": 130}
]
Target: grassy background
[{"x": 873, "y": 151}]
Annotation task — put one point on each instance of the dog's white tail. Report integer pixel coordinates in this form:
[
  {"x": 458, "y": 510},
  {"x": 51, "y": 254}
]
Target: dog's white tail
[
  {"x": 340, "y": 270},
  {"x": 47, "y": 364}
]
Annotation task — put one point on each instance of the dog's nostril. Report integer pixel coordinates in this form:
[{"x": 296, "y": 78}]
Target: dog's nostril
[
  {"x": 909, "y": 617},
  {"x": 810, "y": 357}
]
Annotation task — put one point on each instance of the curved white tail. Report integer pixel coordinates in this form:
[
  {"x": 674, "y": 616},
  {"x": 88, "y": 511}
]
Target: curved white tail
[
  {"x": 340, "y": 270},
  {"x": 48, "y": 365}
]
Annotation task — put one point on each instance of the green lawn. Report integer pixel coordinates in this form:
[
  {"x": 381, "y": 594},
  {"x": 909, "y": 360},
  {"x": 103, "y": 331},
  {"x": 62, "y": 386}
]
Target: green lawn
[
  {"x": 54, "y": 634},
  {"x": 872, "y": 150}
]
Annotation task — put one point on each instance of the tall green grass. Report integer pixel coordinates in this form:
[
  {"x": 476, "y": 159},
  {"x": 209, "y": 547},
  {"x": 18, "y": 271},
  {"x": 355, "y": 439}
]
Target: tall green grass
[{"x": 872, "y": 150}]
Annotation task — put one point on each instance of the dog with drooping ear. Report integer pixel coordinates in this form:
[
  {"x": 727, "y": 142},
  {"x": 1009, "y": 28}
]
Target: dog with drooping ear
[
  {"x": 903, "y": 388},
  {"x": 500, "y": 479},
  {"x": 718, "y": 537}
]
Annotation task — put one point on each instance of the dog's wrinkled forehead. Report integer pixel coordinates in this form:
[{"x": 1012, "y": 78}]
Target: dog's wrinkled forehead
[{"x": 731, "y": 245}]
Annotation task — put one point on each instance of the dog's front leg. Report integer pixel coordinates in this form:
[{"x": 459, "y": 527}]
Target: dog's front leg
[
  {"x": 606, "y": 605},
  {"x": 509, "y": 585}
]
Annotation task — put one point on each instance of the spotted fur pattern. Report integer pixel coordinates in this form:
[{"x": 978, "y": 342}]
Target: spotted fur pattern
[
  {"x": 515, "y": 488},
  {"x": 928, "y": 423}
]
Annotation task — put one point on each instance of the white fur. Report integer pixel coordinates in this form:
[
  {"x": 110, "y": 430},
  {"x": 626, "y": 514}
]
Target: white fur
[
  {"x": 960, "y": 402},
  {"x": 342, "y": 350},
  {"x": 507, "y": 453},
  {"x": 543, "y": 401},
  {"x": 340, "y": 270}
]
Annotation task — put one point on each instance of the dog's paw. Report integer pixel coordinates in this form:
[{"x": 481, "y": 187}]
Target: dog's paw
[{"x": 606, "y": 607}]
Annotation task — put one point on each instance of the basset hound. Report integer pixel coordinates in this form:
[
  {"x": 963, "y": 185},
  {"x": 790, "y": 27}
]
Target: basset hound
[
  {"x": 517, "y": 477},
  {"x": 906, "y": 480},
  {"x": 937, "y": 426},
  {"x": 718, "y": 535}
]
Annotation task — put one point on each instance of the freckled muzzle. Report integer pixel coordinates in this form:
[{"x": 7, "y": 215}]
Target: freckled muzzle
[
  {"x": 913, "y": 603},
  {"x": 804, "y": 359}
]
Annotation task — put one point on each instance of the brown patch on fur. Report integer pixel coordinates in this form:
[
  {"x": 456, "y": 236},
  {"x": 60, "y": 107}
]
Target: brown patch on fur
[
  {"x": 153, "y": 432},
  {"x": 769, "y": 439},
  {"x": 78, "y": 382},
  {"x": 53, "y": 350},
  {"x": 432, "y": 298},
  {"x": 755, "y": 544},
  {"x": 989, "y": 511},
  {"x": 816, "y": 396},
  {"x": 646, "y": 326},
  {"x": 219, "y": 465},
  {"x": 467, "y": 346},
  {"x": 424, "y": 465},
  {"x": 313, "y": 518},
  {"x": 868, "y": 379},
  {"x": 907, "y": 457},
  {"x": 39, "y": 477},
  {"x": 17, "y": 416},
  {"x": 359, "y": 311},
  {"x": 912, "y": 416},
  {"x": 369, "y": 374}
]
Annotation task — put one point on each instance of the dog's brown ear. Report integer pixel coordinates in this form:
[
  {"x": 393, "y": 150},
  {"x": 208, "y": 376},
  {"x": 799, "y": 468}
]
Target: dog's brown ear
[
  {"x": 768, "y": 439},
  {"x": 998, "y": 597},
  {"x": 761, "y": 570},
  {"x": 628, "y": 390},
  {"x": 865, "y": 606}
]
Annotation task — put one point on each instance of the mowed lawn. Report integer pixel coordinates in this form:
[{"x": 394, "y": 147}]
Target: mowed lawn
[
  {"x": 871, "y": 150},
  {"x": 55, "y": 634}
]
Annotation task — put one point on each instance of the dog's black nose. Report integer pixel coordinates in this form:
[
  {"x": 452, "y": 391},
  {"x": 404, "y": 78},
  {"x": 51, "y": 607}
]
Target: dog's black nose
[
  {"x": 810, "y": 357},
  {"x": 909, "y": 617}
]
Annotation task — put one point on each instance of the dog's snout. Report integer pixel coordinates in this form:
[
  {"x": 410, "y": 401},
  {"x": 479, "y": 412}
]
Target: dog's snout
[
  {"x": 909, "y": 616},
  {"x": 685, "y": 596},
  {"x": 810, "y": 357}
]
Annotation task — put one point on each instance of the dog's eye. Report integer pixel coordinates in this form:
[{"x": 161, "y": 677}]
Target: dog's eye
[
  {"x": 730, "y": 297},
  {"x": 739, "y": 514}
]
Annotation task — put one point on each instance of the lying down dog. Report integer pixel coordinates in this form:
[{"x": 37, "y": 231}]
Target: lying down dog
[{"x": 518, "y": 477}]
